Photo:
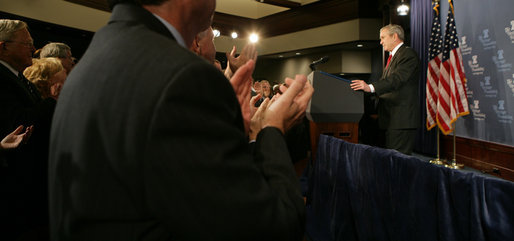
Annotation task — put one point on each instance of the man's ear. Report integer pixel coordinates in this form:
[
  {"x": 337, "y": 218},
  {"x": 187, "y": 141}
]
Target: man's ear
[{"x": 196, "y": 45}]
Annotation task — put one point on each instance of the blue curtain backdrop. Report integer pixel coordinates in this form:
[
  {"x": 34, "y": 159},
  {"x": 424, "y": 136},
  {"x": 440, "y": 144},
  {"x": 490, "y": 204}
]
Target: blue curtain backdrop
[
  {"x": 420, "y": 24},
  {"x": 486, "y": 40}
]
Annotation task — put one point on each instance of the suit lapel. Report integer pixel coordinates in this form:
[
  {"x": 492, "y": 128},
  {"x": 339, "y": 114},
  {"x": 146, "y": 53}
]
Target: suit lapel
[
  {"x": 394, "y": 59},
  {"x": 11, "y": 79}
]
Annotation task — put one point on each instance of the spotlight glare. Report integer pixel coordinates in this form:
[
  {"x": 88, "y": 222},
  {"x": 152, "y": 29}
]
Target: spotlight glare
[
  {"x": 403, "y": 9},
  {"x": 254, "y": 38},
  {"x": 216, "y": 33},
  {"x": 234, "y": 35}
]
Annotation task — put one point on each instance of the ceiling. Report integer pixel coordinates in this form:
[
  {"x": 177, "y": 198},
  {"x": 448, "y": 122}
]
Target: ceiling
[
  {"x": 284, "y": 26},
  {"x": 271, "y": 19},
  {"x": 276, "y": 17},
  {"x": 252, "y": 9},
  {"x": 255, "y": 9}
]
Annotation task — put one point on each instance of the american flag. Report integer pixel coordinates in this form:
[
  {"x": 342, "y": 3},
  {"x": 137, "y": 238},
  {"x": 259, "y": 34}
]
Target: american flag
[
  {"x": 435, "y": 56},
  {"x": 452, "y": 100}
]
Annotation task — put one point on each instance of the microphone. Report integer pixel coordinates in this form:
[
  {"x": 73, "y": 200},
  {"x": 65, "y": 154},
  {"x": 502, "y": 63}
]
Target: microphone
[{"x": 323, "y": 59}]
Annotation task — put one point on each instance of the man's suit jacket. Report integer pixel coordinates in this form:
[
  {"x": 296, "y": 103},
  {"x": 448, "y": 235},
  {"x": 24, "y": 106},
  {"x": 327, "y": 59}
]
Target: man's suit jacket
[
  {"x": 148, "y": 143},
  {"x": 23, "y": 171},
  {"x": 398, "y": 92}
]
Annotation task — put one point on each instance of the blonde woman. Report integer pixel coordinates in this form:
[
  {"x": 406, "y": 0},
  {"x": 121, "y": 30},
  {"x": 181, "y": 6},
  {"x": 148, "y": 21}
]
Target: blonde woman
[{"x": 48, "y": 75}]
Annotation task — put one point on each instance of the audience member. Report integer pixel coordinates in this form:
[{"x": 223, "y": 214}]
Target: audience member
[
  {"x": 217, "y": 64},
  {"x": 265, "y": 92},
  {"x": 234, "y": 63},
  {"x": 256, "y": 87},
  {"x": 177, "y": 163},
  {"x": 203, "y": 45},
  {"x": 276, "y": 89},
  {"x": 61, "y": 51},
  {"x": 266, "y": 89},
  {"x": 24, "y": 205},
  {"x": 48, "y": 75}
]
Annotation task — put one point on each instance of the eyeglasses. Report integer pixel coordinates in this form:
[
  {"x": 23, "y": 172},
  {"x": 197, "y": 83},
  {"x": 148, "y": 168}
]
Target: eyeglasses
[{"x": 26, "y": 44}]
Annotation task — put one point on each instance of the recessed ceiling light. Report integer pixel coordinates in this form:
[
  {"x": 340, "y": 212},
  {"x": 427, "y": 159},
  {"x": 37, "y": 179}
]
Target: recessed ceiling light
[
  {"x": 403, "y": 9},
  {"x": 254, "y": 38},
  {"x": 281, "y": 56},
  {"x": 359, "y": 45},
  {"x": 234, "y": 35},
  {"x": 216, "y": 33},
  {"x": 298, "y": 53}
]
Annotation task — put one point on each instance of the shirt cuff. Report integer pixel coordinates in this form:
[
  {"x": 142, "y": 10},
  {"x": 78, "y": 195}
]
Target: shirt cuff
[{"x": 372, "y": 89}]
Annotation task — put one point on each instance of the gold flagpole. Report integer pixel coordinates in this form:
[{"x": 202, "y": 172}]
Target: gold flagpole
[
  {"x": 454, "y": 164},
  {"x": 437, "y": 161}
]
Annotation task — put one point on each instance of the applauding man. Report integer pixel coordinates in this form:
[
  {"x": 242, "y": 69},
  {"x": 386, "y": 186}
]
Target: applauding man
[{"x": 148, "y": 140}]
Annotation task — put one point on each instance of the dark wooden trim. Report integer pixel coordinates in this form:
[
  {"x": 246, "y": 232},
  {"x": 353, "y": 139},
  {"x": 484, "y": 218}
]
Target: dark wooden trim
[
  {"x": 309, "y": 16},
  {"x": 281, "y": 3},
  {"x": 488, "y": 157},
  {"x": 96, "y": 4},
  {"x": 227, "y": 23},
  {"x": 347, "y": 131}
]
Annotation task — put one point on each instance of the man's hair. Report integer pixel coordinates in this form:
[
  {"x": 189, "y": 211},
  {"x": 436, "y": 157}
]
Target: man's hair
[
  {"x": 57, "y": 50},
  {"x": 9, "y": 27},
  {"x": 41, "y": 71},
  {"x": 138, "y": 2},
  {"x": 394, "y": 29}
]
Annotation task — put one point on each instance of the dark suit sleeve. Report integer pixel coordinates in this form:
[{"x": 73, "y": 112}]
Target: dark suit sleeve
[
  {"x": 401, "y": 72},
  {"x": 201, "y": 177}
]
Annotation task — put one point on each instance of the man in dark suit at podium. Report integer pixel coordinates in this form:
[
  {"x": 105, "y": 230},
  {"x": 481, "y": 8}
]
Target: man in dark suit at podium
[
  {"x": 148, "y": 140},
  {"x": 397, "y": 90}
]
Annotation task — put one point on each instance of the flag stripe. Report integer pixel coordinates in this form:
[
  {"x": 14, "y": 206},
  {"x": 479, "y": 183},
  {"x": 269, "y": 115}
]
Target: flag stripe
[
  {"x": 432, "y": 88},
  {"x": 452, "y": 99}
]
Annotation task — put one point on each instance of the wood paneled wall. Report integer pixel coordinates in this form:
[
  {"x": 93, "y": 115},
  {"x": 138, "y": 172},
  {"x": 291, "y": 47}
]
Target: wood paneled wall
[{"x": 487, "y": 157}]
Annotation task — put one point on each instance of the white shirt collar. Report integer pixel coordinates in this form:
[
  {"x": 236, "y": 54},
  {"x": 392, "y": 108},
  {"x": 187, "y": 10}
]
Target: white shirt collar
[
  {"x": 396, "y": 48},
  {"x": 173, "y": 31},
  {"x": 9, "y": 67}
]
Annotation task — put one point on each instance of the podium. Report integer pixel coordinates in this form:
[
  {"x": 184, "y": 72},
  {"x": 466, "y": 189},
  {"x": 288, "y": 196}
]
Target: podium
[{"x": 335, "y": 109}]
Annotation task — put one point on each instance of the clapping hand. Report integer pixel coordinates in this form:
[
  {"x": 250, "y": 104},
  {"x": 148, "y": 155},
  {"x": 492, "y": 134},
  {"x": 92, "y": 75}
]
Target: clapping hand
[
  {"x": 234, "y": 63},
  {"x": 287, "y": 109},
  {"x": 14, "y": 139},
  {"x": 242, "y": 84}
]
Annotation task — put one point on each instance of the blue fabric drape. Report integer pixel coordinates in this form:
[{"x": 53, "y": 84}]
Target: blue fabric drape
[
  {"x": 360, "y": 192},
  {"x": 420, "y": 24}
]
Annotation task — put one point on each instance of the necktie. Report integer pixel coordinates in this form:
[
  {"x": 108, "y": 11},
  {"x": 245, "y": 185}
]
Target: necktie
[{"x": 389, "y": 60}]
